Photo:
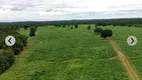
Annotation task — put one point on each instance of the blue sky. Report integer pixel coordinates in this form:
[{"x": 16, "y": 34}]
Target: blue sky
[{"x": 49, "y": 10}]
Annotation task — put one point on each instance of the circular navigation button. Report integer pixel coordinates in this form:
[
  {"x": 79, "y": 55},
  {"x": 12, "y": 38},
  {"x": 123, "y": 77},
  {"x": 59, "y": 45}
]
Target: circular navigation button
[
  {"x": 132, "y": 40},
  {"x": 10, "y": 40}
]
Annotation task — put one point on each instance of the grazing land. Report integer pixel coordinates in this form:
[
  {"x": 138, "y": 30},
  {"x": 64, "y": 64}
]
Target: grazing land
[
  {"x": 133, "y": 54},
  {"x": 68, "y": 54}
]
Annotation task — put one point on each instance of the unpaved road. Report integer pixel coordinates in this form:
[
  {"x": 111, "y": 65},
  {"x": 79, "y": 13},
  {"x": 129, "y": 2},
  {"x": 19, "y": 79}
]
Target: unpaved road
[{"x": 125, "y": 61}]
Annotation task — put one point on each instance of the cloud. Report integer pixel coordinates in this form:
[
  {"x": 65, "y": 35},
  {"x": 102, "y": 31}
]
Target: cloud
[
  {"x": 16, "y": 9},
  {"x": 33, "y": 10}
]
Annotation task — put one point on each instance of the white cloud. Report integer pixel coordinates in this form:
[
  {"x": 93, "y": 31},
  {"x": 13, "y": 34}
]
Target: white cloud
[{"x": 40, "y": 10}]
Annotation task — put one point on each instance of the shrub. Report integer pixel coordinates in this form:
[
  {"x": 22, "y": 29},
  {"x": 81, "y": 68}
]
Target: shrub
[
  {"x": 26, "y": 27},
  {"x": 114, "y": 25},
  {"x": 1, "y": 44},
  {"x": 6, "y": 59},
  {"x": 98, "y": 30},
  {"x": 59, "y": 25},
  {"x": 106, "y": 33},
  {"x": 56, "y": 25},
  {"x": 71, "y": 27},
  {"x": 9, "y": 56},
  {"x": 76, "y": 26},
  {"x": 64, "y": 26},
  {"x": 23, "y": 39},
  {"x": 3, "y": 62},
  {"x": 32, "y": 31},
  {"x": 18, "y": 47},
  {"x": 96, "y": 26},
  {"x": 129, "y": 25},
  {"x": 89, "y": 27}
]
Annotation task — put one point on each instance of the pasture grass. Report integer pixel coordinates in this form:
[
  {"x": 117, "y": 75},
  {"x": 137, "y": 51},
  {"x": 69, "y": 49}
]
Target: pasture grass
[{"x": 66, "y": 54}]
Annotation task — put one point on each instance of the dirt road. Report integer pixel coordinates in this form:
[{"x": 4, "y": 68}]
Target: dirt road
[{"x": 125, "y": 61}]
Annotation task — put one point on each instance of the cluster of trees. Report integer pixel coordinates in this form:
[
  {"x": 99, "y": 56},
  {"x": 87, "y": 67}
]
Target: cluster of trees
[
  {"x": 7, "y": 53},
  {"x": 67, "y": 25},
  {"x": 103, "y": 33}
]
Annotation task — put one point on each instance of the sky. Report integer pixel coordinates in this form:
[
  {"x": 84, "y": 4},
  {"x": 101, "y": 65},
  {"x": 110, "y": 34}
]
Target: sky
[{"x": 50, "y": 10}]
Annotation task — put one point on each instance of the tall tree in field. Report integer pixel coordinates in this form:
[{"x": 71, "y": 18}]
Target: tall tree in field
[
  {"x": 76, "y": 26},
  {"x": 89, "y": 27},
  {"x": 32, "y": 31}
]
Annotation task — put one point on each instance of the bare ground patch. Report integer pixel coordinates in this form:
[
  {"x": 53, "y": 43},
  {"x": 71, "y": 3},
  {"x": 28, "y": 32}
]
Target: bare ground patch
[
  {"x": 113, "y": 57},
  {"x": 23, "y": 53},
  {"x": 75, "y": 59},
  {"x": 125, "y": 61},
  {"x": 29, "y": 44}
]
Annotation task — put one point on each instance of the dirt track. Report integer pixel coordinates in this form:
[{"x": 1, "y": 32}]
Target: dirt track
[{"x": 125, "y": 61}]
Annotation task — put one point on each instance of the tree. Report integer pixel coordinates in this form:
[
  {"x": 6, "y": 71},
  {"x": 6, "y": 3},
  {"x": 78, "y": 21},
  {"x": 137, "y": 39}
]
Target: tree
[
  {"x": 76, "y": 26},
  {"x": 114, "y": 25},
  {"x": 96, "y": 26},
  {"x": 98, "y": 30},
  {"x": 6, "y": 59},
  {"x": 26, "y": 27},
  {"x": 71, "y": 27},
  {"x": 17, "y": 28},
  {"x": 23, "y": 39},
  {"x": 106, "y": 33},
  {"x": 56, "y": 25},
  {"x": 129, "y": 25},
  {"x": 9, "y": 55},
  {"x": 64, "y": 26},
  {"x": 18, "y": 47},
  {"x": 32, "y": 31},
  {"x": 89, "y": 27}
]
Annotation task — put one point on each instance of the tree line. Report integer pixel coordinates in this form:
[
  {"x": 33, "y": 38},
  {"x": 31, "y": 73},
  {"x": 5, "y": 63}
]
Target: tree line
[
  {"x": 101, "y": 22},
  {"x": 7, "y": 54}
]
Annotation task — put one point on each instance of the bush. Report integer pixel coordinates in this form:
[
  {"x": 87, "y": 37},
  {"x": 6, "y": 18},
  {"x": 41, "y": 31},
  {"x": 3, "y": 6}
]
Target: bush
[
  {"x": 71, "y": 27},
  {"x": 76, "y": 26},
  {"x": 23, "y": 39},
  {"x": 106, "y": 33},
  {"x": 98, "y": 30},
  {"x": 64, "y": 26},
  {"x": 32, "y": 31},
  {"x": 9, "y": 56},
  {"x": 18, "y": 47},
  {"x": 6, "y": 59},
  {"x": 96, "y": 26},
  {"x": 59, "y": 25},
  {"x": 26, "y": 27},
  {"x": 129, "y": 25},
  {"x": 89, "y": 27}
]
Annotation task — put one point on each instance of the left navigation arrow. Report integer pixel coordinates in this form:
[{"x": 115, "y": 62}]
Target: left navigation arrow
[{"x": 9, "y": 40}]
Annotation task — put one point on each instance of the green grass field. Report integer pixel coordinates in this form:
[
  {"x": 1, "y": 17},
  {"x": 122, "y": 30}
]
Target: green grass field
[
  {"x": 78, "y": 54},
  {"x": 134, "y": 54}
]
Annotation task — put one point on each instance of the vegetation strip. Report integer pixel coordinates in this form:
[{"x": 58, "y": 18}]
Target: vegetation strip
[{"x": 125, "y": 61}]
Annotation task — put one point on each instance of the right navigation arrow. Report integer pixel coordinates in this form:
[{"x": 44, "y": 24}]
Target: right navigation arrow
[{"x": 132, "y": 40}]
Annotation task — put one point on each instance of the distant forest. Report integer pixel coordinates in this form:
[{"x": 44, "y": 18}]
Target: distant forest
[{"x": 101, "y": 22}]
